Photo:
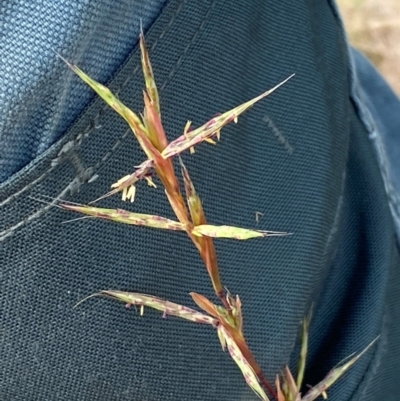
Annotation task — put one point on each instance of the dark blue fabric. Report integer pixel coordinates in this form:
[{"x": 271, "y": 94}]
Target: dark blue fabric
[
  {"x": 379, "y": 109},
  {"x": 303, "y": 157},
  {"x": 37, "y": 101}
]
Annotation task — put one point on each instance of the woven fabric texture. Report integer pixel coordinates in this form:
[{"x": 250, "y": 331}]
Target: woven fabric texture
[
  {"x": 301, "y": 157},
  {"x": 380, "y": 111},
  {"x": 37, "y": 101}
]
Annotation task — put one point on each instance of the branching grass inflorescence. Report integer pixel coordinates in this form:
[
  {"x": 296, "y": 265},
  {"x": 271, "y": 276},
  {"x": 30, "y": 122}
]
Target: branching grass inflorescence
[{"x": 226, "y": 319}]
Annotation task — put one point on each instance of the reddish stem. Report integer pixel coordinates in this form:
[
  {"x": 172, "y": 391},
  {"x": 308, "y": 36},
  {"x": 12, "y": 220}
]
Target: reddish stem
[
  {"x": 266, "y": 384},
  {"x": 221, "y": 296}
]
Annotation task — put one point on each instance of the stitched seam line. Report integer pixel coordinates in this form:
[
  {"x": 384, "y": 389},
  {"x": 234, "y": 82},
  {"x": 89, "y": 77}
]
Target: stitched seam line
[
  {"x": 84, "y": 133},
  {"x": 9, "y": 231},
  {"x": 31, "y": 184}
]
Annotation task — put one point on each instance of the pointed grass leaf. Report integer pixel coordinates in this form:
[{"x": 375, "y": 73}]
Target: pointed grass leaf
[
  {"x": 167, "y": 307},
  {"x": 134, "y": 122},
  {"x": 207, "y": 249},
  {"x": 334, "y": 375},
  {"x": 153, "y": 124},
  {"x": 123, "y": 216},
  {"x": 279, "y": 391},
  {"x": 232, "y": 232},
  {"x": 219, "y": 312},
  {"x": 289, "y": 386},
  {"x": 213, "y": 126},
  {"x": 193, "y": 200},
  {"x": 107, "y": 96},
  {"x": 301, "y": 364},
  {"x": 203, "y": 303},
  {"x": 149, "y": 80}
]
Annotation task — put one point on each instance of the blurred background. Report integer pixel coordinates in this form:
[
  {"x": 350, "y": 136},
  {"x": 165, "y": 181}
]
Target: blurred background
[{"x": 373, "y": 27}]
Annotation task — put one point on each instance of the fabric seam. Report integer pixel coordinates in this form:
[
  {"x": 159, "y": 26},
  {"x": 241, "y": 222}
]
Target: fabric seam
[
  {"x": 366, "y": 120},
  {"x": 9, "y": 231},
  {"x": 85, "y": 132}
]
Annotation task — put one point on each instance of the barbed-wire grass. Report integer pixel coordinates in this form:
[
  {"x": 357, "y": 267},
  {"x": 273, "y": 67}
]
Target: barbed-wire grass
[{"x": 227, "y": 317}]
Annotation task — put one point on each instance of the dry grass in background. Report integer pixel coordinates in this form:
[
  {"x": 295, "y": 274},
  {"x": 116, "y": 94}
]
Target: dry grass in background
[{"x": 373, "y": 27}]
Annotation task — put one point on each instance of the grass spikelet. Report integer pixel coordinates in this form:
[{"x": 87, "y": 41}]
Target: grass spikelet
[
  {"x": 213, "y": 126},
  {"x": 166, "y": 307}
]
